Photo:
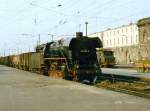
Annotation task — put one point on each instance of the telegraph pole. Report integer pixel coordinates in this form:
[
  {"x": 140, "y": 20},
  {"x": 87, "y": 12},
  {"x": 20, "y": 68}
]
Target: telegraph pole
[
  {"x": 39, "y": 39},
  {"x": 4, "y": 53},
  {"x": 79, "y": 27},
  {"x": 51, "y": 36}
]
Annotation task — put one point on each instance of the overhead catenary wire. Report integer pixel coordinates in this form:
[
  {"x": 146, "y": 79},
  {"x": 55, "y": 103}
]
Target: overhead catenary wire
[
  {"x": 18, "y": 17},
  {"x": 98, "y": 6},
  {"x": 72, "y": 14},
  {"x": 76, "y": 14}
]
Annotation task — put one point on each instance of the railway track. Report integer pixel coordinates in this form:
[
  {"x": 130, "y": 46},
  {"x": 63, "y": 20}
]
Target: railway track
[{"x": 125, "y": 84}]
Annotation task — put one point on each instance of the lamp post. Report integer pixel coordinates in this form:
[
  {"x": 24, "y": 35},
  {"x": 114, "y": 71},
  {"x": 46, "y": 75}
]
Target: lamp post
[
  {"x": 39, "y": 38},
  {"x": 86, "y": 27},
  {"x": 126, "y": 39}
]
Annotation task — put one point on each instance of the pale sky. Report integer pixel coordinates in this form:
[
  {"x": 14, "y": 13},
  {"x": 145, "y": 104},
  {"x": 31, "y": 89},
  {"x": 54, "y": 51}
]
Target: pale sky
[{"x": 22, "y": 20}]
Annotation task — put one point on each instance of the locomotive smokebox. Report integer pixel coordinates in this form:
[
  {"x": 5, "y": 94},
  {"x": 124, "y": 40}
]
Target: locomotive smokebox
[{"x": 79, "y": 34}]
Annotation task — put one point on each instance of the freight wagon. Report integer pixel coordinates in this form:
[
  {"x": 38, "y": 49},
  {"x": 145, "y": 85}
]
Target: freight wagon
[
  {"x": 30, "y": 61},
  {"x": 15, "y": 61}
]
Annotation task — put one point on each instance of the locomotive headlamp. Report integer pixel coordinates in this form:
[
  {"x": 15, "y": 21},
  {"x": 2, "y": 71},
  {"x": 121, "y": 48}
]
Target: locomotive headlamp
[{"x": 76, "y": 66}]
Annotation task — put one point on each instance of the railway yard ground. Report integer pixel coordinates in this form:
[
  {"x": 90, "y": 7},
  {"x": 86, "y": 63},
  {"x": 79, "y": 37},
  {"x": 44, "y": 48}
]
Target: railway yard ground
[
  {"x": 26, "y": 91},
  {"x": 126, "y": 81}
]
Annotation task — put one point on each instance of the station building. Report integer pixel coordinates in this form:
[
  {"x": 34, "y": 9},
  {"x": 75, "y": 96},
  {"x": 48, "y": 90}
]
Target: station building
[{"x": 129, "y": 42}]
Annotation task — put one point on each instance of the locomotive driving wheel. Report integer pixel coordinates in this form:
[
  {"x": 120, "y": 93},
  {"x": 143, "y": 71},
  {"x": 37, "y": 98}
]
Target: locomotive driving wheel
[{"x": 55, "y": 71}]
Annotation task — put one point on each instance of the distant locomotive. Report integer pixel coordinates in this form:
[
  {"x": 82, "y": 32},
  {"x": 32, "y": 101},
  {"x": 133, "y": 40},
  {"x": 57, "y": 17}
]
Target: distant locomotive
[
  {"x": 105, "y": 57},
  {"x": 78, "y": 61}
]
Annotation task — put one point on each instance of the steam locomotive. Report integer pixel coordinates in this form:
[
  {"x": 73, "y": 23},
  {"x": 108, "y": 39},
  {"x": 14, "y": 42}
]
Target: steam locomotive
[
  {"x": 84, "y": 57},
  {"x": 77, "y": 62}
]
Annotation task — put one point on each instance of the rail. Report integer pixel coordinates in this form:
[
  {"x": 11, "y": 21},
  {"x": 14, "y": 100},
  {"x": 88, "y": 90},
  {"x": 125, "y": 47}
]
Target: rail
[
  {"x": 125, "y": 84},
  {"x": 57, "y": 58}
]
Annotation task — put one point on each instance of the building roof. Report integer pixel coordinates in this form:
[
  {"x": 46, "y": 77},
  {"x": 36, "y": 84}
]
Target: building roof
[
  {"x": 114, "y": 28},
  {"x": 144, "y": 21}
]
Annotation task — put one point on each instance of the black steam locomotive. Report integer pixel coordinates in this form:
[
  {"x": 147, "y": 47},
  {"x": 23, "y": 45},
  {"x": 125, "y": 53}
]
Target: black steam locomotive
[
  {"x": 77, "y": 61},
  {"x": 84, "y": 58}
]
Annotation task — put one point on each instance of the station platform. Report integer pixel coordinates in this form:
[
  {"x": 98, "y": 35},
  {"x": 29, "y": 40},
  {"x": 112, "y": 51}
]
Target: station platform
[
  {"x": 25, "y": 91},
  {"x": 125, "y": 72}
]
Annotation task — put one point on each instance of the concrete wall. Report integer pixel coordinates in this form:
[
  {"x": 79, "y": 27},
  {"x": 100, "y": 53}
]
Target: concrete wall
[
  {"x": 144, "y": 40},
  {"x": 126, "y": 55}
]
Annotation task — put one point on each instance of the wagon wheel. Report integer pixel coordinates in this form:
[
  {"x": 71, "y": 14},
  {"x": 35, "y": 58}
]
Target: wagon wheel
[
  {"x": 75, "y": 78},
  {"x": 42, "y": 71}
]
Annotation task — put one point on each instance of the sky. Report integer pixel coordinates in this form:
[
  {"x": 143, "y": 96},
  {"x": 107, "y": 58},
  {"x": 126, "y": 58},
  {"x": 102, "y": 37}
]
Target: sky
[{"x": 22, "y": 21}]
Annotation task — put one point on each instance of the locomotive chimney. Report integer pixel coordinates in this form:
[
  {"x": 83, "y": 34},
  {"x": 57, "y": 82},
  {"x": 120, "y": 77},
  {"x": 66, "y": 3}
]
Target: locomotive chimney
[{"x": 79, "y": 34}]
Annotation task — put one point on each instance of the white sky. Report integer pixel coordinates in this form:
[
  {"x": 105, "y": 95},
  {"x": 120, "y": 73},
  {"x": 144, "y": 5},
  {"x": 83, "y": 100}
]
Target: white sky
[{"x": 61, "y": 18}]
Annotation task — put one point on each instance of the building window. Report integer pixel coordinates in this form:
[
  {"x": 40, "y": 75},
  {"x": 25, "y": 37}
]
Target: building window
[
  {"x": 126, "y": 30},
  {"x": 145, "y": 36},
  {"x": 114, "y": 42},
  {"x": 118, "y": 31},
  {"x": 126, "y": 40},
  {"x": 107, "y": 42},
  {"x": 131, "y": 29},
  {"x": 136, "y": 38},
  {"x": 110, "y": 42},
  {"x": 146, "y": 51},
  {"x": 131, "y": 39}
]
